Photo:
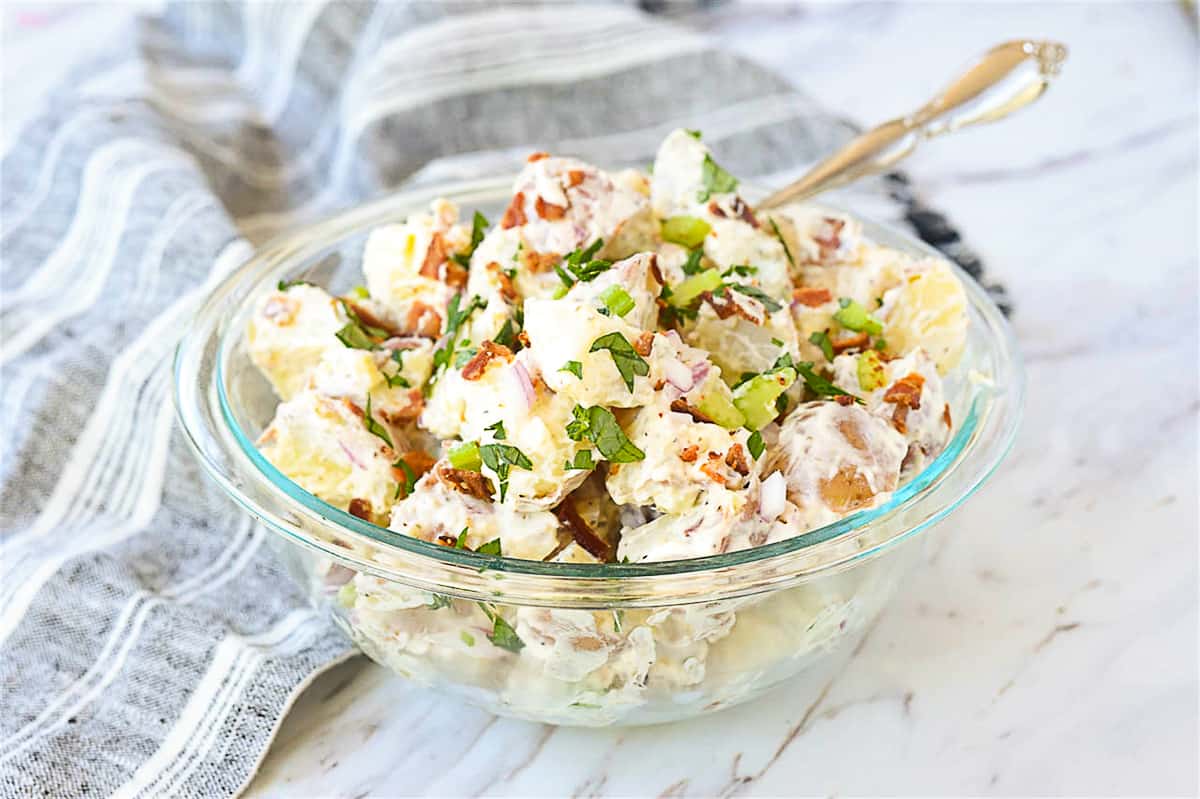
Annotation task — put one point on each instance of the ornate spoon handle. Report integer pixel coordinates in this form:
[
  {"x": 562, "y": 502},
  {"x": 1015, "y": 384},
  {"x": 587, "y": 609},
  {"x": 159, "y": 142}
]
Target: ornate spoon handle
[{"x": 1007, "y": 77}]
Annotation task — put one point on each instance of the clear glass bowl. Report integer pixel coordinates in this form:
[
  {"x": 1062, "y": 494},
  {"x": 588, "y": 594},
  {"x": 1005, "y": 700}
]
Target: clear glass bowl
[{"x": 603, "y": 644}]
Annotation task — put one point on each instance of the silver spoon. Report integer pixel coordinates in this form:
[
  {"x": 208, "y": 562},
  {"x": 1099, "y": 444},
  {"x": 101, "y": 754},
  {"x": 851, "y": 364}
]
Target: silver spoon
[{"x": 1008, "y": 77}]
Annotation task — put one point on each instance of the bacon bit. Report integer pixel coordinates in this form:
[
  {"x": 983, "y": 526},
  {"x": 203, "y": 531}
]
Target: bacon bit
[
  {"x": 843, "y": 399},
  {"x": 360, "y": 508},
  {"x": 371, "y": 319},
  {"x": 811, "y": 296},
  {"x": 900, "y": 419},
  {"x": 537, "y": 262},
  {"x": 688, "y": 454},
  {"x": 575, "y": 177},
  {"x": 507, "y": 290},
  {"x": 414, "y": 404},
  {"x": 726, "y": 306},
  {"x": 713, "y": 470},
  {"x": 736, "y": 460},
  {"x": 420, "y": 462},
  {"x": 716, "y": 210},
  {"x": 523, "y": 338},
  {"x": 643, "y": 343},
  {"x": 514, "y": 215},
  {"x": 744, "y": 213},
  {"x": 569, "y": 517},
  {"x": 946, "y": 415},
  {"x": 829, "y": 237},
  {"x": 723, "y": 546},
  {"x": 906, "y": 391},
  {"x": 456, "y": 275},
  {"x": 475, "y": 484},
  {"x": 549, "y": 210},
  {"x": 354, "y": 409},
  {"x": 478, "y": 364},
  {"x": 447, "y": 540},
  {"x": 538, "y": 156},
  {"x": 680, "y": 406},
  {"x": 855, "y": 342},
  {"x": 658, "y": 384},
  {"x": 654, "y": 270},
  {"x": 422, "y": 320},
  {"x": 435, "y": 256},
  {"x": 281, "y": 310}
]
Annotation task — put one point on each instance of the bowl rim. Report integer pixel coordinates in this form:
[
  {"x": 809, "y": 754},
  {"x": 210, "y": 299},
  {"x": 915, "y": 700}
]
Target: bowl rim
[{"x": 978, "y": 446}]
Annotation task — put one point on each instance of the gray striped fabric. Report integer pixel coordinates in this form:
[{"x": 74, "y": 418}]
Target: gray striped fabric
[{"x": 149, "y": 644}]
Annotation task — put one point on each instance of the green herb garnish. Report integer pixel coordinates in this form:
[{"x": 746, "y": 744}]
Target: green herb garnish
[
  {"x": 583, "y": 460},
  {"x": 461, "y": 541},
  {"x": 507, "y": 335},
  {"x": 779, "y": 236},
  {"x": 490, "y": 548},
  {"x": 463, "y": 357},
  {"x": 821, "y": 339},
  {"x": 455, "y": 316},
  {"x": 502, "y": 634},
  {"x": 497, "y": 430},
  {"x": 714, "y": 179},
  {"x": 439, "y": 601},
  {"x": 692, "y": 265},
  {"x": 502, "y": 457},
  {"x": 755, "y": 444},
  {"x": 624, "y": 356},
  {"x": 284, "y": 285},
  {"x": 479, "y": 225},
  {"x": 754, "y": 291},
  {"x": 574, "y": 367},
  {"x": 598, "y": 425},
  {"x": 374, "y": 427},
  {"x": 353, "y": 336},
  {"x": 410, "y": 478},
  {"x": 820, "y": 385}
]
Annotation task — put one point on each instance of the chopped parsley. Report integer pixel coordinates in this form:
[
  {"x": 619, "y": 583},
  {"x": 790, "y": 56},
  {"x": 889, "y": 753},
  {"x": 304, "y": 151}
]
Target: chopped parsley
[
  {"x": 464, "y": 356},
  {"x": 782, "y": 241},
  {"x": 583, "y": 460},
  {"x": 398, "y": 378},
  {"x": 461, "y": 541},
  {"x": 497, "y": 430},
  {"x": 455, "y": 316},
  {"x": 695, "y": 134},
  {"x": 490, "y": 548},
  {"x": 820, "y": 385},
  {"x": 624, "y": 356},
  {"x": 755, "y": 444},
  {"x": 479, "y": 227},
  {"x": 754, "y": 291},
  {"x": 500, "y": 458},
  {"x": 745, "y": 270},
  {"x": 439, "y": 601},
  {"x": 284, "y": 285},
  {"x": 598, "y": 425},
  {"x": 374, "y": 427},
  {"x": 821, "y": 339},
  {"x": 692, "y": 265},
  {"x": 507, "y": 335},
  {"x": 581, "y": 266},
  {"x": 714, "y": 179},
  {"x": 354, "y": 337},
  {"x": 502, "y": 634},
  {"x": 574, "y": 367},
  {"x": 410, "y": 478}
]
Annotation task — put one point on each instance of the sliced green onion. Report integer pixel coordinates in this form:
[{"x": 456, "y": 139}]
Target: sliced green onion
[
  {"x": 692, "y": 287},
  {"x": 853, "y": 316},
  {"x": 617, "y": 300},
  {"x": 466, "y": 456},
  {"x": 686, "y": 230},
  {"x": 756, "y": 397}
]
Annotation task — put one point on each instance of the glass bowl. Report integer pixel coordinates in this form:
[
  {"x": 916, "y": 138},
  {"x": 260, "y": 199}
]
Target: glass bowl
[{"x": 564, "y": 643}]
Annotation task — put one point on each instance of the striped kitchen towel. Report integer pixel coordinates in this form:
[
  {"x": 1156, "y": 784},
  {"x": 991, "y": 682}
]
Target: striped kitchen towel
[{"x": 149, "y": 644}]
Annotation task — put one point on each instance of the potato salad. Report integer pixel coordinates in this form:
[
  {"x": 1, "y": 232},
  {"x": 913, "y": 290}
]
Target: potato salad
[{"x": 624, "y": 367}]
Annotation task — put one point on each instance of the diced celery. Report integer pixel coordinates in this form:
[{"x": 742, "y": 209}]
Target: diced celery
[
  {"x": 853, "y": 316},
  {"x": 716, "y": 404},
  {"x": 683, "y": 295},
  {"x": 347, "y": 594},
  {"x": 466, "y": 456},
  {"x": 361, "y": 292},
  {"x": 686, "y": 230},
  {"x": 871, "y": 374},
  {"x": 617, "y": 300},
  {"x": 756, "y": 397}
]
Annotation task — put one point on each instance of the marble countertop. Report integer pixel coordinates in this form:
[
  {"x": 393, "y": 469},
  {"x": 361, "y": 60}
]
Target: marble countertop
[{"x": 1049, "y": 644}]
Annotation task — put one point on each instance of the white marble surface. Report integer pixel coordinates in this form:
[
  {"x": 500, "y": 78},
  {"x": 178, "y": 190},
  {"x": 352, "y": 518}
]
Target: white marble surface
[{"x": 1049, "y": 646}]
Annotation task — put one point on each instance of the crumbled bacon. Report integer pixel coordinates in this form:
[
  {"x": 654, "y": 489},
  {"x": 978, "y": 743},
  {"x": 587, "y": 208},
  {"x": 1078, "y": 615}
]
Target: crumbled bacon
[
  {"x": 488, "y": 350},
  {"x": 736, "y": 460},
  {"x": 680, "y": 406},
  {"x": 654, "y": 270},
  {"x": 474, "y": 484},
  {"x": 946, "y": 415},
  {"x": 906, "y": 391},
  {"x": 856, "y": 342},
  {"x": 447, "y": 540},
  {"x": 715, "y": 469},
  {"x": 537, "y": 262},
  {"x": 514, "y": 215},
  {"x": 423, "y": 320},
  {"x": 549, "y": 210},
  {"x": 843, "y": 399},
  {"x": 360, "y": 508},
  {"x": 569, "y": 517},
  {"x": 435, "y": 256},
  {"x": 507, "y": 290},
  {"x": 643, "y": 343},
  {"x": 726, "y": 306},
  {"x": 900, "y": 419},
  {"x": 538, "y": 156},
  {"x": 414, "y": 403},
  {"x": 811, "y": 296},
  {"x": 523, "y": 338},
  {"x": 688, "y": 454},
  {"x": 456, "y": 275},
  {"x": 716, "y": 210},
  {"x": 354, "y": 409},
  {"x": 740, "y": 209},
  {"x": 281, "y": 310},
  {"x": 371, "y": 319},
  {"x": 419, "y": 462},
  {"x": 575, "y": 177}
]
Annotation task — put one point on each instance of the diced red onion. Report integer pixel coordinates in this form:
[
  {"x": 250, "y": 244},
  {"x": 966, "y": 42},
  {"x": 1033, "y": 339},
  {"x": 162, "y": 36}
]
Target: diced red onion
[
  {"x": 350, "y": 455},
  {"x": 524, "y": 384},
  {"x": 699, "y": 372},
  {"x": 402, "y": 343},
  {"x": 772, "y": 497},
  {"x": 678, "y": 374}
]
